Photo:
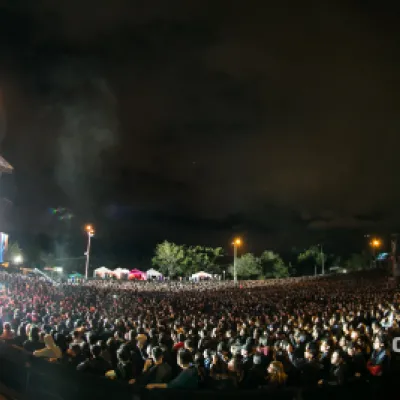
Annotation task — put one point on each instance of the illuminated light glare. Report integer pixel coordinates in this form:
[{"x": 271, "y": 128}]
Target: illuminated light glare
[
  {"x": 18, "y": 259},
  {"x": 376, "y": 243}
]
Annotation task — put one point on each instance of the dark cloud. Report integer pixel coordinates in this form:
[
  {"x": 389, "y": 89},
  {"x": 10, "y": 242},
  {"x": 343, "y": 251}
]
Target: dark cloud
[
  {"x": 341, "y": 222},
  {"x": 211, "y": 117}
]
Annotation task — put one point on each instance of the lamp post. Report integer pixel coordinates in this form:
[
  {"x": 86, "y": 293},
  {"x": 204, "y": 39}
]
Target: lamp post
[
  {"x": 375, "y": 244},
  {"x": 90, "y": 232},
  {"x": 236, "y": 243},
  {"x": 322, "y": 259}
]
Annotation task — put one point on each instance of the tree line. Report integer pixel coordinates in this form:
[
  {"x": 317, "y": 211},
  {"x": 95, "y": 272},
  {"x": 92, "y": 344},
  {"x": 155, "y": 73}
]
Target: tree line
[
  {"x": 174, "y": 259},
  {"x": 180, "y": 260}
]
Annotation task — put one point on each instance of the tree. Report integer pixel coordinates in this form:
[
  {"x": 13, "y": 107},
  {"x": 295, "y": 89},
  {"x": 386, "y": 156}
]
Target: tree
[
  {"x": 280, "y": 270},
  {"x": 248, "y": 266},
  {"x": 311, "y": 258},
  {"x": 170, "y": 258},
  {"x": 357, "y": 262},
  {"x": 273, "y": 266},
  {"x": 13, "y": 251},
  {"x": 200, "y": 258},
  {"x": 214, "y": 253}
]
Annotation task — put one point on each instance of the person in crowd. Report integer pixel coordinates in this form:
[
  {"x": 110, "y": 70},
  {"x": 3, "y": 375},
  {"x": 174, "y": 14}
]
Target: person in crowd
[
  {"x": 188, "y": 377},
  {"x": 325, "y": 357},
  {"x": 236, "y": 371},
  {"x": 309, "y": 367},
  {"x": 155, "y": 370},
  {"x": 180, "y": 342},
  {"x": 276, "y": 377},
  {"x": 105, "y": 352},
  {"x": 21, "y": 336},
  {"x": 339, "y": 372},
  {"x": 50, "y": 351},
  {"x": 95, "y": 365},
  {"x": 8, "y": 333},
  {"x": 255, "y": 376},
  {"x": 356, "y": 362},
  {"x": 378, "y": 364},
  {"x": 33, "y": 343},
  {"x": 124, "y": 369},
  {"x": 74, "y": 356},
  {"x": 309, "y": 329}
]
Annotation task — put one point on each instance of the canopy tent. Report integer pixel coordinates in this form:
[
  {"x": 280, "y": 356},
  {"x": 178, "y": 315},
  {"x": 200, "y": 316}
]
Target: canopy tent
[
  {"x": 201, "y": 275},
  {"x": 102, "y": 272},
  {"x": 152, "y": 273},
  {"x": 120, "y": 273},
  {"x": 136, "y": 274},
  {"x": 75, "y": 275}
]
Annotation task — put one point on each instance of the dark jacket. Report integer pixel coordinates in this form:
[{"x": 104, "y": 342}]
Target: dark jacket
[
  {"x": 160, "y": 373},
  {"x": 33, "y": 345},
  {"x": 338, "y": 375},
  {"x": 254, "y": 378},
  {"x": 95, "y": 366},
  {"x": 124, "y": 371},
  {"x": 310, "y": 370},
  {"x": 187, "y": 379}
]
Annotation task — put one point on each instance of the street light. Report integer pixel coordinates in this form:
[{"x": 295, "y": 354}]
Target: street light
[
  {"x": 375, "y": 244},
  {"x": 18, "y": 259},
  {"x": 236, "y": 243},
  {"x": 90, "y": 232},
  {"x": 322, "y": 259}
]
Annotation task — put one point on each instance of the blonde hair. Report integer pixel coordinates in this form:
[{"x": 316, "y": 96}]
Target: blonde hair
[{"x": 277, "y": 373}]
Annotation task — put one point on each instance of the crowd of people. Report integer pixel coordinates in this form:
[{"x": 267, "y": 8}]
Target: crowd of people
[{"x": 307, "y": 332}]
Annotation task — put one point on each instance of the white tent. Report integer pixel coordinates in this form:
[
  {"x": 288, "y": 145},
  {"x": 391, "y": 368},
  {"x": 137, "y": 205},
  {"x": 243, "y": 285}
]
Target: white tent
[
  {"x": 201, "y": 275},
  {"x": 102, "y": 272},
  {"x": 120, "y": 273},
  {"x": 152, "y": 273}
]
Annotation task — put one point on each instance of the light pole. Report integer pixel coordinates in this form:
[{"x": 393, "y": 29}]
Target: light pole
[
  {"x": 375, "y": 243},
  {"x": 322, "y": 259},
  {"x": 90, "y": 232},
  {"x": 236, "y": 243}
]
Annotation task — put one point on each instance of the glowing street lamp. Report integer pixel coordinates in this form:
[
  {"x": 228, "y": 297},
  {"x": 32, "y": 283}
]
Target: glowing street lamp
[
  {"x": 18, "y": 259},
  {"x": 90, "y": 232},
  {"x": 375, "y": 244},
  {"x": 236, "y": 243}
]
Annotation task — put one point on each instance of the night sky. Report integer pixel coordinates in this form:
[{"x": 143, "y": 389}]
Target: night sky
[{"x": 194, "y": 121}]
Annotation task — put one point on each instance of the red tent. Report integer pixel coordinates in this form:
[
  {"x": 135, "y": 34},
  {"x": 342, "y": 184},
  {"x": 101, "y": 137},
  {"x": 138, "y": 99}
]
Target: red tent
[{"x": 136, "y": 274}]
